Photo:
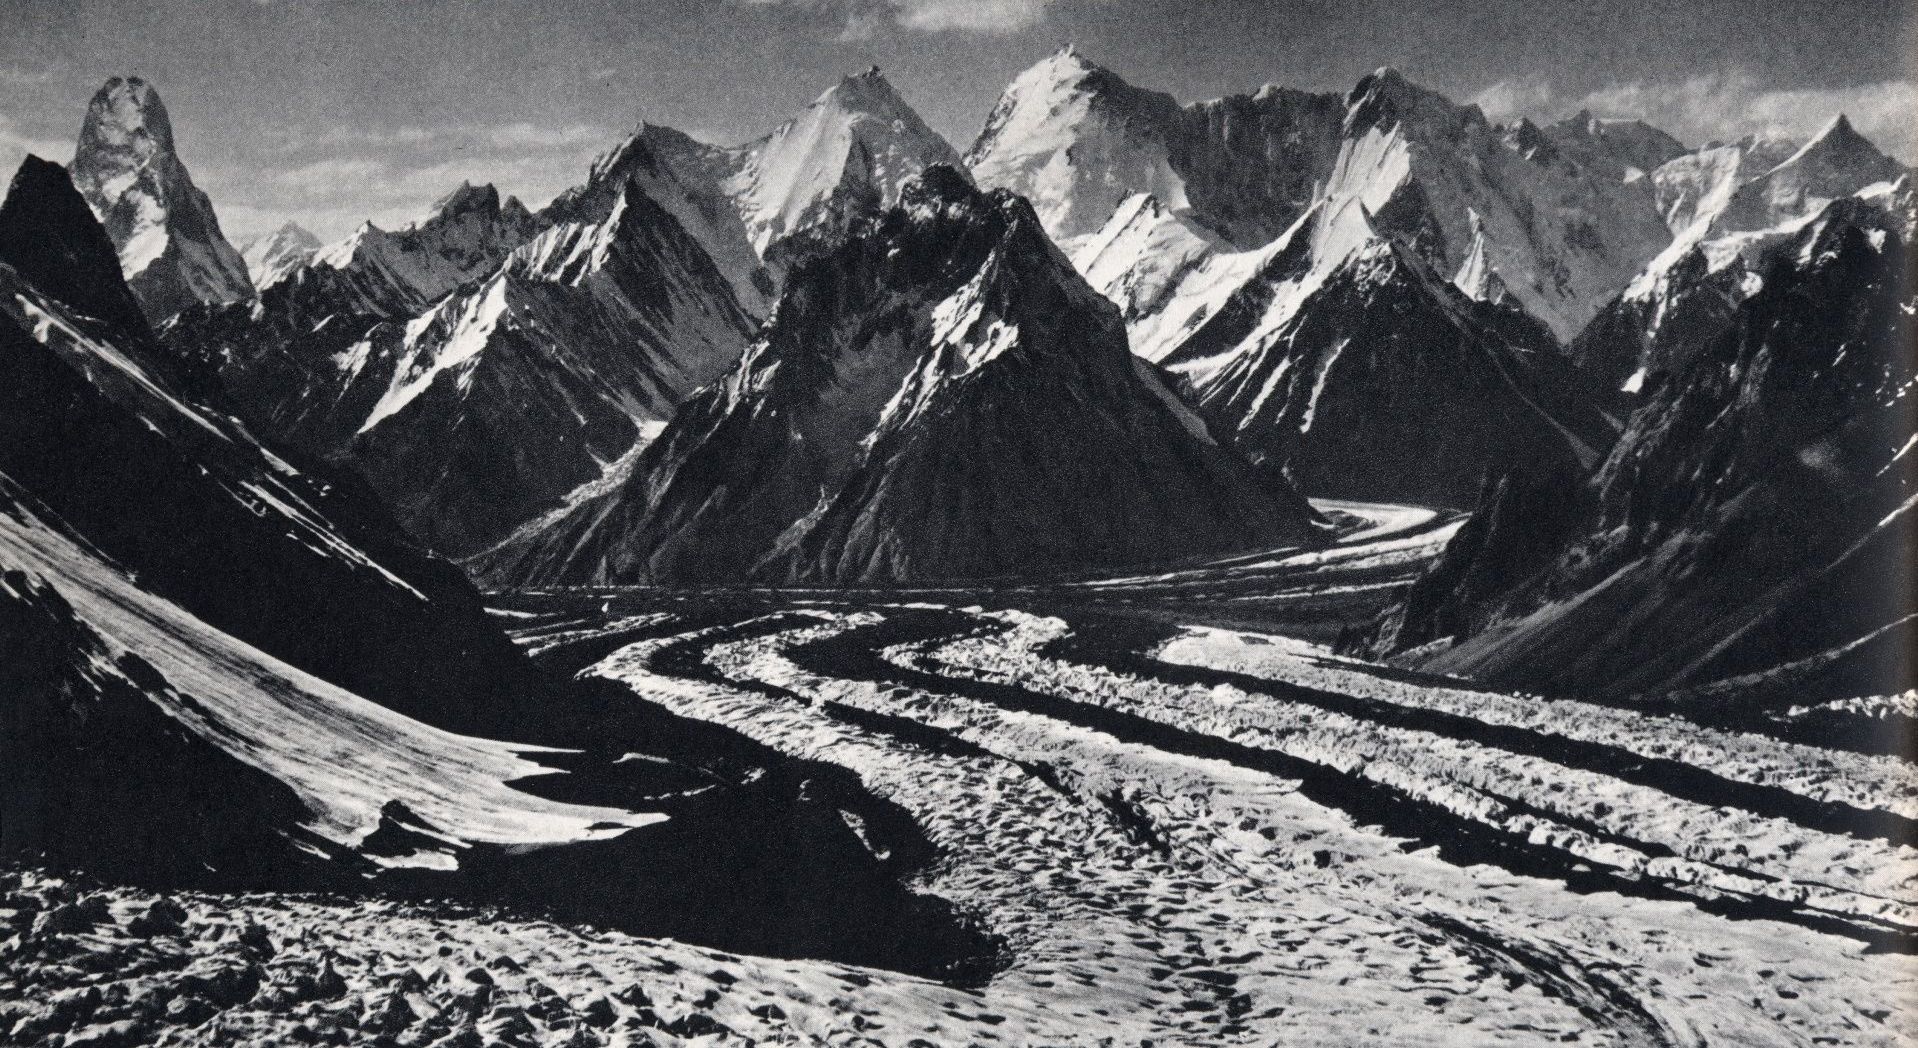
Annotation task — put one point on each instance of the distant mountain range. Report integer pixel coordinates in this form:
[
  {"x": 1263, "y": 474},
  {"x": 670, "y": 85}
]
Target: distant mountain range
[{"x": 1117, "y": 330}]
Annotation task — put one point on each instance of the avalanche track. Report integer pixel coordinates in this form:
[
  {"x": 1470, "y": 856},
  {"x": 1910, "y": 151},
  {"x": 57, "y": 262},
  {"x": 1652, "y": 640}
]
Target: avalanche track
[{"x": 1190, "y": 832}]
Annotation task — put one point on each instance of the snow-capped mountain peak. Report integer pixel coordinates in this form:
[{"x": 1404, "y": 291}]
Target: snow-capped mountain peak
[
  {"x": 1076, "y": 140},
  {"x": 169, "y": 241},
  {"x": 273, "y": 256},
  {"x": 463, "y": 237},
  {"x": 857, "y": 144},
  {"x": 1437, "y": 176},
  {"x": 1839, "y": 150},
  {"x": 1733, "y": 207},
  {"x": 1386, "y": 99}
]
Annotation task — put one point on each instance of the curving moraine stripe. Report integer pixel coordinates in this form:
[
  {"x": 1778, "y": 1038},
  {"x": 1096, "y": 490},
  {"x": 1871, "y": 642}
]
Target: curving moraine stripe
[
  {"x": 1123, "y": 645},
  {"x": 855, "y": 654}
]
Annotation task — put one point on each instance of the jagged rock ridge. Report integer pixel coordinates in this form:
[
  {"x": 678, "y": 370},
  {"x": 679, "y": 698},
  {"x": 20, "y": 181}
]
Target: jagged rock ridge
[
  {"x": 939, "y": 398},
  {"x": 480, "y": 365},
  {"x": 1732, "y": 207}
]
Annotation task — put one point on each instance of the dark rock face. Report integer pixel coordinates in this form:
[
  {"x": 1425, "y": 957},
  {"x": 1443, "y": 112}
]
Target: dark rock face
[
  {"x": 1654, "y": 334},
  {"x": 53, "y": 243},
  {"x": 940, "y": 399},
  {"x": 1252, "y": 163},
  {"x": 1617, "y": 147},
  {"x": 1755, "y": 514}
]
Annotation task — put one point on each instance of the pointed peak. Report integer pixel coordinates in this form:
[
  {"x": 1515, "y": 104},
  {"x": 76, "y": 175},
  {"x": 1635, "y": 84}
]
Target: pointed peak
[
  {"x": 126, "y": 112},
  {"x": 49, "y": 236},
  {"x": 869, "y": 77},
  {"x": 42, "y": 185},
  {"x": 1839, "y": 142},
  {"x": 1066, "y": 65},
  {"x": 1531, "y": 142},
  {"x": 292, "y": 233},
  {"x": 1839, "y": 132},
  {"x": 1387, "y": 83},
  {"x": 864, "y": 94},
  {"x": 1386, "y": 97},
  {"x": 860, "y": 88},
  {"x": 1070, "y": 55},
  {"x": 132, "y": 92},
  {"x": 464, "y": 200}
]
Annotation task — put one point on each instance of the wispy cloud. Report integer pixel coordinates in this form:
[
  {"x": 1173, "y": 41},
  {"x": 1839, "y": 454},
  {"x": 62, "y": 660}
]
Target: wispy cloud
[
  {"x": 12, "y": 76},
  {"x": 861, "y": 19},
  {"x": 330, "y": 179},
  {"x": 1724, "y": 106}
]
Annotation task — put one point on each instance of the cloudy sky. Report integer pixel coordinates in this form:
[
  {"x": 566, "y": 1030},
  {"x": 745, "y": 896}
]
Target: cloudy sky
[{"x": 332, "y": 111}]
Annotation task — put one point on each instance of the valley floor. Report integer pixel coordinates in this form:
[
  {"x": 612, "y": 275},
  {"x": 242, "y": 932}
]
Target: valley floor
[{"x": 1187, "y": 828}]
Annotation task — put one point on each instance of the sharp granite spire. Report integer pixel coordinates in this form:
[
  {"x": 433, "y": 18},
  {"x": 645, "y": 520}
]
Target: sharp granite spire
[{"x": 170, "y": 245}]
